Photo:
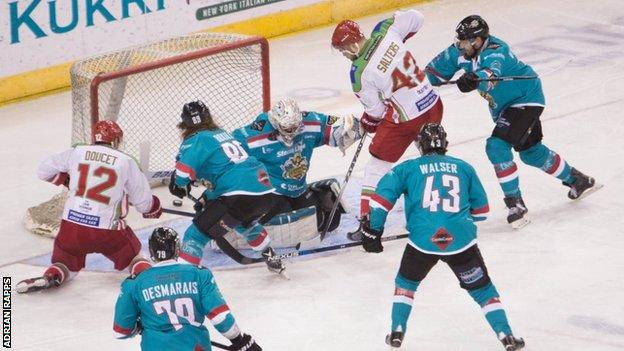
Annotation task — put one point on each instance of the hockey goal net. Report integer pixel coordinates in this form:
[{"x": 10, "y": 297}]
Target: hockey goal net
[{"x": 143, "y": 89}]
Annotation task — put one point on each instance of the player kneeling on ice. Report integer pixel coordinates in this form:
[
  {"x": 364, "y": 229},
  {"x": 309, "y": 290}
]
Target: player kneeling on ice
[
  {"x": 168, "y": 302},
  {"x": 443, "y": 199},
  {"x": 515, "y": 106},
  {"x": 238, "y": 190},
  {"x": 283, "y": 139},
  {"x": 102, "y": 181}
]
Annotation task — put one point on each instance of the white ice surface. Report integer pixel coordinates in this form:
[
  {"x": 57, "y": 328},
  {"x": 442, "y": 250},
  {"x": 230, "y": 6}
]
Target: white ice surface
[{"x": 561, "y": 279}]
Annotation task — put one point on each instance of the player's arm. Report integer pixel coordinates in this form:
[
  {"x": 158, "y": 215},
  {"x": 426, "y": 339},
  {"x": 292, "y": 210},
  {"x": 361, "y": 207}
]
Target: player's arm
[
  {"x": 389, "y": 189},
  {"x": 139, "y": 192},
  {"x": 190, "y": 157},
  {"x": 407, "y": 23},
  {"x": 374, "y": 107},
  {"x": 444, "y": 66},
  {"x": 479, "y": 207},
  {"x": 220, "y": 316},
  {"x": 491, "y": 66},
  {"x": 126, "y": 321},
  {"x": 55, "y": 168}
]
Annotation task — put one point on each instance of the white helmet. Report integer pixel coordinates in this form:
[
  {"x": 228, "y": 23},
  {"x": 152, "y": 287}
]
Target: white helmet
[{"x": 286, "y": 118}]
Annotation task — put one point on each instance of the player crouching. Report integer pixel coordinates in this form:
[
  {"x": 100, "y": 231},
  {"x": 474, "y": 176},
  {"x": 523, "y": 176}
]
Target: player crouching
[
  {"x": 168, "y": 303},
  {"x": 102, "y": 182}
]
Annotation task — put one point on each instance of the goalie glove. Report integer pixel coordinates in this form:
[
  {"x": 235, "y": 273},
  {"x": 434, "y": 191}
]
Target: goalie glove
[
  {"x": 371, "y": 238},
  {"x": 244, "y": 342},
  {"x": 348, "y": 133}
]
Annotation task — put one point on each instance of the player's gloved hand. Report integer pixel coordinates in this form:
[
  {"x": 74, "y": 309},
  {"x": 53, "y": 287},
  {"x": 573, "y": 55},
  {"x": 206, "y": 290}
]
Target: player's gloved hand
[
  {"x": 244, "y": 342},
  {"x": 371, "y": 238},
  {"x": 468, "y": 81},
  {"x": 156, "y": 209},
  {"x": 61, "y": 178},
  {"x": 369, "y": 123},
  {"x": 175, "y": 190}
]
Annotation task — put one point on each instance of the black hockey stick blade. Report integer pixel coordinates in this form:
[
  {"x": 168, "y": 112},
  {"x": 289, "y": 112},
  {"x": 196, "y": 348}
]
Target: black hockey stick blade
[
  {"x": 220, "y": 346},
  {"x": 332, "y": 248},
  {"x": 178, "y": 212},
  {"x": 494, "y": 79}
]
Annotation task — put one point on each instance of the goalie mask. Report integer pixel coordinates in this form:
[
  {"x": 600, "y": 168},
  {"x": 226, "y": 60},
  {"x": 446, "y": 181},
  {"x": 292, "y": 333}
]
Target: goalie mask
[
  {"x": 164, "y": 244},
  {"x": 432, "y": 139},
  {"x": 107, "y": 132},
  {"x": 286, "y": 118}
]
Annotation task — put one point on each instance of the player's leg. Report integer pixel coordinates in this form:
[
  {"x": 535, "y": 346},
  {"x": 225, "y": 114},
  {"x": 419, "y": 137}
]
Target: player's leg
[
  {"x": 415, "y": 266},
  {"x": 193, "y": 243},
  {"x": 123, "y": 248},
  {"x": 322, "y": 195},
  {"x": 68, "y": 258},
  {"x": 470, "y": 270}
]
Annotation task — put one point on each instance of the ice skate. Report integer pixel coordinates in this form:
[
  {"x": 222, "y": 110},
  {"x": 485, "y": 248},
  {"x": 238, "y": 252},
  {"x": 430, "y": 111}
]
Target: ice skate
[
  {"x": 395, "y": 339},
  {"x": 356, "y": 235},
  {"x": 583, "y": 185},
  {"x": 512, "y": 343},
  {"x": 517, "y": 212},
  {"x": 36, "y": 284},
  {"x": 274, "y": 265}
]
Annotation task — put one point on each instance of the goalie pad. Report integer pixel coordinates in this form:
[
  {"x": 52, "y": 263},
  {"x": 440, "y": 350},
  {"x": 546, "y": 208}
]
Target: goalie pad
[
  {"x": 285, "y": 230},
  {"x": 348, "y": 133}
]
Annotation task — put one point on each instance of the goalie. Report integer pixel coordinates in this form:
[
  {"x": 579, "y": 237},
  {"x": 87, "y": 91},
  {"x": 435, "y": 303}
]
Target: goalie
[{"x": 283, "y": 139}]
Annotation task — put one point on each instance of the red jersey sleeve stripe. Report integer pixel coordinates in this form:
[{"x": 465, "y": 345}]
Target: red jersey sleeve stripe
[
  {"x": 480, "y": 210},
  {"x": 186, "y": 170},
  {"x": 387, "y": 205},
  {"x": 218, "y": 310}
]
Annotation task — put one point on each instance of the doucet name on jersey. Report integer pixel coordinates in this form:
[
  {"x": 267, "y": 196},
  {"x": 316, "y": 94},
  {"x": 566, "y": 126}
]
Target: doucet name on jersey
[
  {"x": 164, "y": 290},
  {"x": 100, "y": 157},
  {"x": 387, "y": 57},
  {"x": 438, "y": 167}
]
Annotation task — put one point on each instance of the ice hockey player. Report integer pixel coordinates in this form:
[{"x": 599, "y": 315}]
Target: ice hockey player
[
  {"x": 515, "y": 107},
  {"x": 283, "y": 139},
  {"x": 168, "y": 303},
  {"x": 446, "y": 198},
  {"x": 396, "y": 95},
  {"x": 238, "y": 191},
  {"x": 102, "y": 181}
]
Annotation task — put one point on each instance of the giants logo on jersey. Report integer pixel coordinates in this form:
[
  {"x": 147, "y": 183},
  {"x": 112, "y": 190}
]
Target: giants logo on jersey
[{"x": 295, "y": 167}]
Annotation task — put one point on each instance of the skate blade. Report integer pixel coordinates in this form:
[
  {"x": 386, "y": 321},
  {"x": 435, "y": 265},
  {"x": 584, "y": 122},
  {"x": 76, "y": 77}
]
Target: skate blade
[
  {"x": 593, "y": 189},
  {"x": 521, "y": 223}
]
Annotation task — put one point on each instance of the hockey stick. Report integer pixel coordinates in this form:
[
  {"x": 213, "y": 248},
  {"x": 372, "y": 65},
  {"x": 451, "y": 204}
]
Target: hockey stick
[
  {"x": 332, "y": 248},
  {"x": 178, "y": 212},
  {"x": 221, "y": 346},
  {"x": 495, "y": 79},
  {"x": 342, "y": 189}
]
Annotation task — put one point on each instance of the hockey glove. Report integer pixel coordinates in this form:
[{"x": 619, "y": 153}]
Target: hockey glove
[
  {"x": 369, "y": 123},
  {"x": 371, "y": 238},
  {"x": 156, "y": 209},
  {"x": 177, "y": 191},
  {"x": 61, "y": 178},
  {"x": 244, "y": 342},
  {"x": 468, "y": 82}
]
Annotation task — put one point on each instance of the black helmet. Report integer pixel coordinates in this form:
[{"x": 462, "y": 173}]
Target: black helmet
[
  {"x": 194, "y": 113},
  {"x": 471, "y": 27},
  {"x": 164, "y": 244},
  {"x": 432, "y": 138}
]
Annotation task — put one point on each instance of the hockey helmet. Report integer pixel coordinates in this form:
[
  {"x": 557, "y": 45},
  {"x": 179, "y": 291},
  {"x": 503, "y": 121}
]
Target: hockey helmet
[
  {"x": 286, "y": 118},
  {"x": 346, "y": 33},
  {"x": 107, "y": 132},
  {"x": 432, "y": 138},
  {"x": 471, "y": 27},
  {"x": 194, "y": 113},
  {"x": 164, "y": 244}
]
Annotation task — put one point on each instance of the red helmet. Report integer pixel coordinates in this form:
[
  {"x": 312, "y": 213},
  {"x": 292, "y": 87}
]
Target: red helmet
[
  {"x": 107, "y": 132},
  {"x": 346, "y": 33}
]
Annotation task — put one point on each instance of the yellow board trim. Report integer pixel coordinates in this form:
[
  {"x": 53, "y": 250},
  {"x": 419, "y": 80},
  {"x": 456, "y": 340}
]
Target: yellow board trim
[{"x": 50, "y": 80}]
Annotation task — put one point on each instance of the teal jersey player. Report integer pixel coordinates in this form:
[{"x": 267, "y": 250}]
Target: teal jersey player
[
  {"x": 443, "y": 199},
  {"x": 516, "y": 105},
  {"x": 238, "y": 190},
  {"x": 169, "y": 302}
]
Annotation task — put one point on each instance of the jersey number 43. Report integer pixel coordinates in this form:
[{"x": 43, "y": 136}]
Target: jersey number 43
[
  {"x": 431, "y": 197},
  {"x": 407, "y": 75}
]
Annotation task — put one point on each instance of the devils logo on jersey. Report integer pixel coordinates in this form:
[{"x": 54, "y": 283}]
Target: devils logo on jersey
[{"x": 295, "y": 167}]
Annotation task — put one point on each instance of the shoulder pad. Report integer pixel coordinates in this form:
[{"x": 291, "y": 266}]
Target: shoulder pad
[
  {"x": 332, "y": 119},
  {"x": 258, "y": 125},
  {"x": 493, "y": 46}
]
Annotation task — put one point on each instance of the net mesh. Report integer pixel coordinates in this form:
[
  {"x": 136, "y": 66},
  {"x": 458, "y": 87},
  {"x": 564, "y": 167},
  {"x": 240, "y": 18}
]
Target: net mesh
[{"x": 147, "y": 104}]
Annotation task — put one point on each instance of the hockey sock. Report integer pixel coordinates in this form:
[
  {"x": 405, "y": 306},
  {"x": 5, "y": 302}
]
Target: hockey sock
[
  {"x": 138, "y": 265},
  {"x": 255, "y": 235},
  {"x": 507, "y": 174},
  {"x": 193, "y": 245},
  {"x": 59, "y": 272},
  {"x": 487, "y": 297},
  {"x": 402, "y": 303},
  {"x": 365, "y": 200},
  {"x": 548, "y": 161},
  {"x": 375, "y": 169}
]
